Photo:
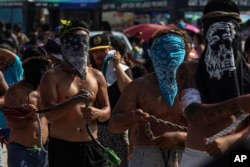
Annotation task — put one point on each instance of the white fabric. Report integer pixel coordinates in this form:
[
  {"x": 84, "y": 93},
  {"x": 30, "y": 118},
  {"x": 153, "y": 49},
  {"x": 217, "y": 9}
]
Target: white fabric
[
  {"x": 188, "y": 96},
  {"x": 110, "y": 72},
  {"x": 194, "y": 158},
  {"x": 152, "y": 156}
]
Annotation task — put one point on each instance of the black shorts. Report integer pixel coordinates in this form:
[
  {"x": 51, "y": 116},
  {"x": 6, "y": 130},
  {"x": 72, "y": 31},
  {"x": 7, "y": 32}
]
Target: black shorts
[{"x": 75, "y": 154}]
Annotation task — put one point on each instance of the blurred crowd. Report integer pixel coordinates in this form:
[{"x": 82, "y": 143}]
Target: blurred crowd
[{"x": 128, "y": 90}]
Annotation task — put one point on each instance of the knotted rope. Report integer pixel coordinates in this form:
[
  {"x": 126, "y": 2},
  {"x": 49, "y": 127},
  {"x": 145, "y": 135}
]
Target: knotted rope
[
  {"x": 22, "y": 113},
  {"x": 111, "y": 156},
  {"x": 83, "y": 95},
  {"x": 168, "y": 124},
  {"x": 228, "y": 129}
]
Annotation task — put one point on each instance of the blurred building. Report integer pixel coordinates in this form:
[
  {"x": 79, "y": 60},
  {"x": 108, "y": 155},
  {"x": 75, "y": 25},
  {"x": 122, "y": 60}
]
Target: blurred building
[{"x": 120, "y": 13}]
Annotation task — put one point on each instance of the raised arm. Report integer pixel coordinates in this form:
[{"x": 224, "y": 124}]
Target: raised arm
[
  {"x": 8, "y": 54},
  {"x": 123, "y": 79},
  {"x": 3, "y": 88}
]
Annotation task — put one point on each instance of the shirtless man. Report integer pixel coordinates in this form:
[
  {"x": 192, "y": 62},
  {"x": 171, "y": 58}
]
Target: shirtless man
[
  {"x": 69, "y": 142},
  {"x": 205, "y": 84},
  {"x": 26, "y": 139},
  {"x": 154, "y": 96}
]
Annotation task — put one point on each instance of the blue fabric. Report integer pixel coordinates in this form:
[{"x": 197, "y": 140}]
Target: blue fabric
[
  {"x": 14, "y": 72},
  {"x": 3, "y": 124},
  {"x": 19, "y": 156},
  {"x": 167, "y": 53}
]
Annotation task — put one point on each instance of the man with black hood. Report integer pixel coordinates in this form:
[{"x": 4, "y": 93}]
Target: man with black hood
[
  {"x": 28, "y": 130},
  {"x": 212, "y": 88}
]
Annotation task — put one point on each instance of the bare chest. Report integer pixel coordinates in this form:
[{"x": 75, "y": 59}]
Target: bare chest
[
  {"x": 70, "y": 88},
  {"x": 154, "y": 104}
]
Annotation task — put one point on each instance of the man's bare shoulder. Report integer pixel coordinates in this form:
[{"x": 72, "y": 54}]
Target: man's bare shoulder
[
  {"x": 142, "y": 83},
  {"x": 55, "y": 72},
  {"x": 94, "y": 72},
  {"x": 16, "y": 90},
  {"x": 186, "y": 74}
]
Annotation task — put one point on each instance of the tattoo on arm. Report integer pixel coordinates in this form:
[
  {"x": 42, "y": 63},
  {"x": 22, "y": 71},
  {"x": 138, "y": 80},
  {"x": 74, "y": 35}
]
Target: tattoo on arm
[{"x": 199, "y": 115}]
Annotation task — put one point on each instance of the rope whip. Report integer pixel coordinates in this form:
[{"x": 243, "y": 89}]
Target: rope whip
[
  {"x": 168, "y": 124},
  {"x": 40, "y": 133},
  {"x": 228, "y": 129},
  {"x": 111, "y": 156},
  {"x": 22, "y": 111}
]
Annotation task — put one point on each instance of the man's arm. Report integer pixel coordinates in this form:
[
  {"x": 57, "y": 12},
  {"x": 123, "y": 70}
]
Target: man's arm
[
  {"x": 222, "y": 144},
  {"x": 15, "y": 117},
  {"x": 102, "y": 99},
  {"x": 122, "y": 78},
  {"x": 49, "y": 97},
  {"x": 200, "y": 114},
  {"x": 8, "y": 54},
  {"x": 122, "y": 116},
  {"x": 3, "y": 88}
]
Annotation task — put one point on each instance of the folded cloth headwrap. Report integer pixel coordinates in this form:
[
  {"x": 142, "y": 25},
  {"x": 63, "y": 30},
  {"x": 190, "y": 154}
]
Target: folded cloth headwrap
[
  {"x": 75, "y": 52},
  {"x": 222, "y": 72},
  {"x": 167, "y": 53}
]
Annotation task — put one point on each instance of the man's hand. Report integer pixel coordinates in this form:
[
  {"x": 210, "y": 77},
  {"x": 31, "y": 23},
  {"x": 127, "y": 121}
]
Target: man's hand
[
  {"x": 117, "y": 59},
  {"x": 219, "y": 145},
  {"x": 90, "y": 113},
  {"x": 139, "y": 115},
  {"x": 170, "y": 140},
  {"x": 88, "y": 96}
]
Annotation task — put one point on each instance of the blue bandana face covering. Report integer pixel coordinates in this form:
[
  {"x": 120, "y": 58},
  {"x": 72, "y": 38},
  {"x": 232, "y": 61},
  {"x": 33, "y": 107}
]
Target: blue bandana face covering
[
  {"x": 75, "y": 52},
  {"x": 167, "y": 53}
]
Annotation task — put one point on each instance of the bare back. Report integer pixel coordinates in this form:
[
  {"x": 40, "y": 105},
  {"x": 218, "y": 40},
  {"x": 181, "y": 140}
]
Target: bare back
[{"x": 59, "y": 85}]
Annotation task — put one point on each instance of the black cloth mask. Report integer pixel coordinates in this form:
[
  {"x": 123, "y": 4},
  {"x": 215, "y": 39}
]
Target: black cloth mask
[{"x": 75, "y": 52}]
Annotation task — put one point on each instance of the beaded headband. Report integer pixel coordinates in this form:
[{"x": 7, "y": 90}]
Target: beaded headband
[{"x": 36, "y": 58}]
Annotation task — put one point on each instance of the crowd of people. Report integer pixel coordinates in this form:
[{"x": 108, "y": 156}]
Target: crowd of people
[{"x": 69, "y": 99}]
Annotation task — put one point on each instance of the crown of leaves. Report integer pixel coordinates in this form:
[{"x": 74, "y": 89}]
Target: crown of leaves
[{"x": 65, "y": 23}]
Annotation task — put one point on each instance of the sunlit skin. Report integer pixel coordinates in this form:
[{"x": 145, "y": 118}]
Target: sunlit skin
[
  {"x": 6, "y": 56},
  {"x": 3, "y": 63},
  {"x": 205, "y": 120},
  {"x": 68, "y": 123}
]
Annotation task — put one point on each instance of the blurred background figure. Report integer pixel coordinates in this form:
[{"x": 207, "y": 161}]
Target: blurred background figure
[
  {"x": 7, "y": 34},
  {"x": 53, "y": 48},
  {"x": 33, "y": 41},
  {"x": 118, "y": 75},
  {"x": 11, "y": 68},
  {"x": 21, "y": 37}
]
